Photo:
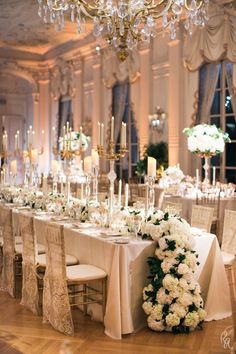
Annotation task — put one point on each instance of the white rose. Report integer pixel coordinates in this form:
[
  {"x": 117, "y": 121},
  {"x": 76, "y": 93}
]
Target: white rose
[
  {"x": 163, "y": 298},
  {"x": 156, "y": 312},
  {"x": 178, "y": 309},
  {"x": 186, "y": 299}
]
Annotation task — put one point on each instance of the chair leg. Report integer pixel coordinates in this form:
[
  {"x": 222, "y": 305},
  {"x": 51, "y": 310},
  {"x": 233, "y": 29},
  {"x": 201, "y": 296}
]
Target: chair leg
[
  {"x": 85, "y": 298},
  {"x": 104, "y": 294}
]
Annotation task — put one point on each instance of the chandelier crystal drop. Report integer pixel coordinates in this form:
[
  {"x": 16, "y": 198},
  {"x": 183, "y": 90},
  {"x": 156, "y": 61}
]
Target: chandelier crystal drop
[{"x": 125, "y": 23}]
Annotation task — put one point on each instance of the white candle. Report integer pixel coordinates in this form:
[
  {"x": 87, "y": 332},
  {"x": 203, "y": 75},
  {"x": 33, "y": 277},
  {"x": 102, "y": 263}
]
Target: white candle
[
  {"x": 45, "y": 185},
  {"x": 33, "y": 138},
  {"x": 214, "y": 176},
  {"x": 95, "y": 158},
  {"x": 126, "y": 195},
  {"x": 197, "y": 176},
  {"x": 88, "y": 164},
  {"x": 112, "y": 128},
  {"x": 13, "y": 167},
  {"x": 124, "y": 129},
  {"x": 99, "y": 133},
  {"x": 152, "y": 166},
  {"x": 119, "y": 192},
  {"x": 102, "y": 135},
  {"x": 54, "y": 167},
  {"x": 2, "y": 178},
  {"x": 43, "y": 138},
  {"x": 67, "y": 128},
  {"x": 16, "y": 141},
  {"x": 81, "y": 137},
  {"x": 146, "y": 197}
]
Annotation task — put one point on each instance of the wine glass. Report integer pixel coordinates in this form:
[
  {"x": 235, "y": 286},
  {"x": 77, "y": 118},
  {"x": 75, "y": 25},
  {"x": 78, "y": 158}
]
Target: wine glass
[{"x": 136, "y": 224}]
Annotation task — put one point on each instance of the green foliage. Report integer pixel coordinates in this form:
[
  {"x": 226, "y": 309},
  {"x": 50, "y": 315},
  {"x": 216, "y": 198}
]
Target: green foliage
[{"x": 159, "y": 151}]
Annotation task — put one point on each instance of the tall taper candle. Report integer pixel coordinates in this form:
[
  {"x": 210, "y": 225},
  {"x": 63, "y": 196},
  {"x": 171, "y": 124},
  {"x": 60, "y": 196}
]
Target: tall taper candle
[
  {"x": 126, "y": 195},
  {"x": 214, "y": 176},
  {"x": 112, "y": 128}
]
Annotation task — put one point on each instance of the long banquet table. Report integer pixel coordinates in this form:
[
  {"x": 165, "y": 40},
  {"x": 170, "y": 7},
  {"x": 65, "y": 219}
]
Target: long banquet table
[{"x": 127, "y": 272}]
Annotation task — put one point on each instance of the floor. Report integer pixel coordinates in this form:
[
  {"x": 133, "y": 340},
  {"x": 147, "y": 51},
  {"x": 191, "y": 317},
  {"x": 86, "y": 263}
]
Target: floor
[{"x": 23, "y": 332}]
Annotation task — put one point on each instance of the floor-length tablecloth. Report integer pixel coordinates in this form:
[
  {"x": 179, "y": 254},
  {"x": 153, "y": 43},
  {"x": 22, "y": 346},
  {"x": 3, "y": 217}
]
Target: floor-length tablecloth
[{"x": 127, "y": 275}]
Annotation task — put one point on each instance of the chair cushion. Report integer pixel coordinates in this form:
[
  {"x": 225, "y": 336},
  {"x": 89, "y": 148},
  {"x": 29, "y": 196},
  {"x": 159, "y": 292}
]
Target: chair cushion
[
  {"x": 19, "y": 248},
  {"x": 228, "y": 258},
  {"x": 41, "y": 248},
  {"x": 70, "y": 260},
  {"x": 84, "y": 272}
]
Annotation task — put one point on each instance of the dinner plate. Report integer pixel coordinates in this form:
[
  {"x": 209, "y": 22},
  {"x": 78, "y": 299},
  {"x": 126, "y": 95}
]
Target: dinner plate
[
  {"x": 122, "y": 241},
  {"x": 60, "y": 218},
  {"x": 82, "y": 225}
]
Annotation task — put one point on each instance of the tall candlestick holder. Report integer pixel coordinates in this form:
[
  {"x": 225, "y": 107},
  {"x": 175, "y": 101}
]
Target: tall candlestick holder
[
  {"x": 31, "y": 155},
  {"x": 111, "y": 156},
  {"x": 95, "y": 183},
  {"x": 151, "y": 194},
  {"x": 87, "y": 187}
]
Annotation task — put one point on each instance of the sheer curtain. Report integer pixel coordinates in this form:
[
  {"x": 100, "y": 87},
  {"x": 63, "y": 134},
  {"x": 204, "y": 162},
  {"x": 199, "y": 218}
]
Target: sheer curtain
[
  {"x": 119, "y": 97},
  {"x": 232, "y": 90},
  {"x": 209, "y": 74}
]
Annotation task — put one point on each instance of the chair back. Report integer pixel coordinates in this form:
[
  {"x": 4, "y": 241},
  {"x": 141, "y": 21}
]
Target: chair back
[
  {"x": 202, "y": 217},
  {"x": 229, "y": 232},
  {"x": 30, "y": 292},
  {"x": 8, "y": 269},
  {"x": 56, "y": 306},
  {"x": 171, "y": 207}
]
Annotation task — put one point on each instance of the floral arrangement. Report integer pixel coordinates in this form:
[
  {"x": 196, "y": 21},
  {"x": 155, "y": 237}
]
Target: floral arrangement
[
  {"x": 74, "y": 140},
  {"x": 206, "y": 139},
  {"x": 173, "y": 299},
  {"x": 172, "y": 175}
]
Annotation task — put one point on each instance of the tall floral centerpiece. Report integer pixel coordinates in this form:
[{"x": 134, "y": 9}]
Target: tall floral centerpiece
[{"x": 206, "y": 141}]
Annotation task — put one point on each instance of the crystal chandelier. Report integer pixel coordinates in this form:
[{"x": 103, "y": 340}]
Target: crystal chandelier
[{"x": 125, "y": 23}]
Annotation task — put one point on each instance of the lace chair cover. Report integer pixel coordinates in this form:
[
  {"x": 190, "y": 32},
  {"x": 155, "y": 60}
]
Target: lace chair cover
[
  {"x": 8, "y": 271},
  {"x": 229, "y": 232},
  {"x": 56, "y": 306},
  {"x": 171, "y": 207},
  {"x": 30, "y": 294},
  {"x": 202, "y": 217}
]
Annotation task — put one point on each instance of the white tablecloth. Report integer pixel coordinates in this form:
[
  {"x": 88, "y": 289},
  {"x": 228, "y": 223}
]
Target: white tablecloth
[{"x": 127, "y": 271}]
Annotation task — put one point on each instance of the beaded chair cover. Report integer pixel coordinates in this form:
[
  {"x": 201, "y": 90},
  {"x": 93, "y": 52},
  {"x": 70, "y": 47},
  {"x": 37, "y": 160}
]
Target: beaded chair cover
[
  {"x": 229, "y": 232},
  {"x": 56, "y": 306},
  {"x": 202, "y": 217}
]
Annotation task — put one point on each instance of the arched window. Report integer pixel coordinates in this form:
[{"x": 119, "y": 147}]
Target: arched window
[
  {"x": 217, "y": 105},
  {"x": 122, "y": 111},
  {"x": 64, "y": 114}
]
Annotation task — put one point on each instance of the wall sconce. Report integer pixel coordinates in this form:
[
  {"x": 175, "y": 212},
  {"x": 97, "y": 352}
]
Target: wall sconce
[{"x": 157, "y": 120}]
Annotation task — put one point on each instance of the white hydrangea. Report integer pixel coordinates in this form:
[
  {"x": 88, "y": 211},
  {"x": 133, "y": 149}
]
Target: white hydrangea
[
  {"x": 178, "y": 309},
  {"x": 172, "y": 319},
  {"x": 163, "y": 298},
  {"x": 147, "y": 307},
  {"x": 169, "y": 282},
  {"x": 183, "y": 269},
  {"x": 157, "y": 326},
  {"x": 156, "y": 312},
  {"x": 192, "y": 319},
  {"x": 186, "y": 299}
]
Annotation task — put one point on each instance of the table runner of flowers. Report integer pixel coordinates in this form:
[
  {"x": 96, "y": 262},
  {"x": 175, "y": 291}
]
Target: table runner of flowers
[{"x": 173, "y": 299}]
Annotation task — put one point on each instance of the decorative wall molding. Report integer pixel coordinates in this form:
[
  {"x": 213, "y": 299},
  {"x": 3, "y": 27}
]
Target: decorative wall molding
[
  {"x": 88, "y": 87},
  {"x": 62, "y": 79},
  {"x": 160, "y": 70}
]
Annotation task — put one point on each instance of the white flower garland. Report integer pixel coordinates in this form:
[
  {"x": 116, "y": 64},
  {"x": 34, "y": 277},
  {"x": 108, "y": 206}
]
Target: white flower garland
[{"x": 173, "y": 299}]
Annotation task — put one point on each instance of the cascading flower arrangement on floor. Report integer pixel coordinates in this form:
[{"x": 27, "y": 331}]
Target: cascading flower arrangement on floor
[{"x": 173, "y": 299}]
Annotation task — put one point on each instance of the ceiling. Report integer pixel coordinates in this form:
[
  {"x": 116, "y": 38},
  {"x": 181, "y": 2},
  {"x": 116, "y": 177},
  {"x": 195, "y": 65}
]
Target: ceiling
[
  {"x": 23, "y": 35},
  {"x": 22, "y": 30}
]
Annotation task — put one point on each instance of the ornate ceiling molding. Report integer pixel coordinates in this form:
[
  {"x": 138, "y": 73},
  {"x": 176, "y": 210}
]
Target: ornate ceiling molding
[{"x": 63, "y": 79}]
